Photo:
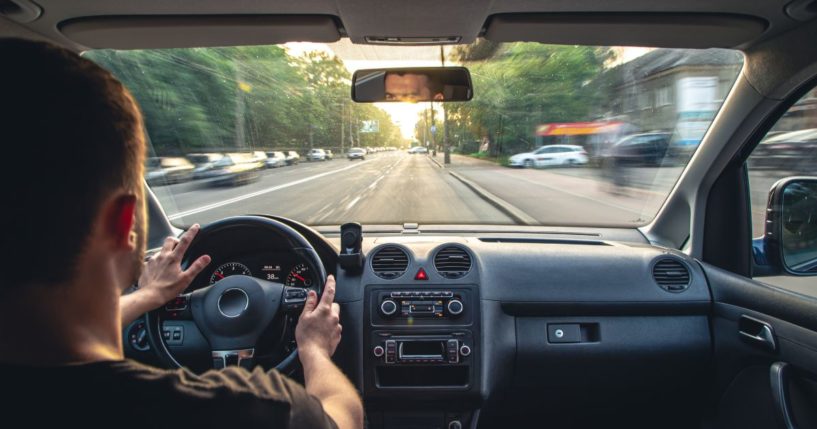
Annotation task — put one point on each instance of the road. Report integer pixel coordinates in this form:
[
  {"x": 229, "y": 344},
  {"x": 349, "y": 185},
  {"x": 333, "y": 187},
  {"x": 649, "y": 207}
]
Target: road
[
  {"x": 394, "y": 188},
  {"x": 386, "y": 188}
]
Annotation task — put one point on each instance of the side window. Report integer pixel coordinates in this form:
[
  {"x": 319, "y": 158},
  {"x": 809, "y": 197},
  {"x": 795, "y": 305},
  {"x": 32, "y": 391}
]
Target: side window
[{"x": 788, "y": 149}]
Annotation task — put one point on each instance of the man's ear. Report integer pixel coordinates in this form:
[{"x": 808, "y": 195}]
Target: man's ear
[{"x": 120, "y": 220}]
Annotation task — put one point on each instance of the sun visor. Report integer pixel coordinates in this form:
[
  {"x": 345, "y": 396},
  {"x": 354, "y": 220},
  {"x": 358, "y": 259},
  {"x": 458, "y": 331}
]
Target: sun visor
[
  {"x": 664, "y": 30},
  {"x": 143, "y": 32}
]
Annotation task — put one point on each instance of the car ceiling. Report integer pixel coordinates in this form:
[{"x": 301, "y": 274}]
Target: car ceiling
[{"x": 122, "y": 24}]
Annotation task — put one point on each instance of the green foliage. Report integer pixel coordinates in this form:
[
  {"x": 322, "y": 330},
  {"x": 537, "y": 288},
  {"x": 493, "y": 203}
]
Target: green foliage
[
  {"x": 520, "y": 85},
  {"x": 254, "y": 97}
]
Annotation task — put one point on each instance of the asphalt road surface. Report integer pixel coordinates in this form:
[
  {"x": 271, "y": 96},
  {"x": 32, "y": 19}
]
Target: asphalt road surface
[
  {"x": 386, "y": 188},
  {"x": 395, "y": 187}
]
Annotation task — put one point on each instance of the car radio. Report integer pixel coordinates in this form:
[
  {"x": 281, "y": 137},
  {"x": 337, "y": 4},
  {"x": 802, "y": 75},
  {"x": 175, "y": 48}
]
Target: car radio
[
  {"x": 427, "y": 304},
  {"x": 422, "y": 349}
]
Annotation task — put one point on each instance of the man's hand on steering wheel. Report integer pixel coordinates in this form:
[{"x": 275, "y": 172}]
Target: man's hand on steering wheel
[
  {"x": 318, "y": 331},
  {"x": 162, "y": 277}
]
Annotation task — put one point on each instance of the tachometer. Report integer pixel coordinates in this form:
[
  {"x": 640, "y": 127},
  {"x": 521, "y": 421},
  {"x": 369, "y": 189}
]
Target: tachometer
[
  {"x": 300, "y": 276},
  {"x": 229, "y": 269}
]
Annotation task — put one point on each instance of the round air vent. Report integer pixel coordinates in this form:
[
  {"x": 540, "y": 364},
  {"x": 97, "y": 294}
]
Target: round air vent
[
  {"x": 671, "y": 275},
  {"x": 390, "y": 262},
  {"x": 452, "y": 262}
]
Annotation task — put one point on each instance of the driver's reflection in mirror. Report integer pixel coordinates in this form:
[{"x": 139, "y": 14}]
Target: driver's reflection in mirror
[{"x": 412, "y": 87}]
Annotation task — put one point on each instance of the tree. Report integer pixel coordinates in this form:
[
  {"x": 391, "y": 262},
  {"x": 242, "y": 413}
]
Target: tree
[{"x": 520, "y": 85}]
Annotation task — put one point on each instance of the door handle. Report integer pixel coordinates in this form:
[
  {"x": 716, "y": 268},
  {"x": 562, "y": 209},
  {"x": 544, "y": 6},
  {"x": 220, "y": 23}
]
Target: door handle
[
  {"x": 757, "y": 332},
  {"x": 780, "y": 372}
]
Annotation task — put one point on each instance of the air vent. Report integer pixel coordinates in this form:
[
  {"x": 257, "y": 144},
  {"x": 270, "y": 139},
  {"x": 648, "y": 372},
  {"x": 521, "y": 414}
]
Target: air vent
[
  {"x": 452, "y": 262},
  {"x": 390, "y": 262},
  {"x": 671, "y": 275}
]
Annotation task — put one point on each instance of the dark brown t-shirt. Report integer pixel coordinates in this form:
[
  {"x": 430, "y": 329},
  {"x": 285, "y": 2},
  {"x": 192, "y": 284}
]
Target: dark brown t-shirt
[{"x": 127, "y": 394}]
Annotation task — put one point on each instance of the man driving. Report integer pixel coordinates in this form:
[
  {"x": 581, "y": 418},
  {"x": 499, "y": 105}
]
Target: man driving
[
  {"x": 76, "y": 223},
  {"x": 412, "y": 87}
]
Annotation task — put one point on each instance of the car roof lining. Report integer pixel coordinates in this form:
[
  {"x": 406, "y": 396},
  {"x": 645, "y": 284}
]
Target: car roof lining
[{"x": 78, "y": 24}]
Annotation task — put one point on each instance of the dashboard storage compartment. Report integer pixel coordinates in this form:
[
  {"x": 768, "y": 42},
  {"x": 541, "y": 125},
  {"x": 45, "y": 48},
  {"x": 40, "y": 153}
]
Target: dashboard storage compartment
[{"x": 422, "y": 376}]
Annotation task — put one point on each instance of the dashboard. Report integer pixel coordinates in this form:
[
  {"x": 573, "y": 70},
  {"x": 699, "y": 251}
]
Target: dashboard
[{"x": 450, "y": 328}]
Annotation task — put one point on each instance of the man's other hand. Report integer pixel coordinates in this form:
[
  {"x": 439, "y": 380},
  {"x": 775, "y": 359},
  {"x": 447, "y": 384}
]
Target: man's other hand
[
  {"x": 318, "y": 331},
  {"x": 163, "y": 278}
]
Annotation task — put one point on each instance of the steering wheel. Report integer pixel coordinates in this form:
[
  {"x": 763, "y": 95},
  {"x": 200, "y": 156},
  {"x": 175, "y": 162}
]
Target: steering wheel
[{"x": 235, "y": 313}]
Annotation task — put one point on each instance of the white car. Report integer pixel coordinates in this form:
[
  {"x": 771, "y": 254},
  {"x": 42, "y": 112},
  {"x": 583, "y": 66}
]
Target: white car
[
  {"x": 276, "y": 159},
  {"x": 549, "y": 156},
  {"x": 316, "y": 155},
  {"x": 417, "y": 149}
]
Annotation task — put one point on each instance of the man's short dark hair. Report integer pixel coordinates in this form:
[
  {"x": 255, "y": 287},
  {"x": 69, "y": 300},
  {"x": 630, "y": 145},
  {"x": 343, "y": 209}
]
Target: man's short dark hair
[{"x": 71, "y": 136}]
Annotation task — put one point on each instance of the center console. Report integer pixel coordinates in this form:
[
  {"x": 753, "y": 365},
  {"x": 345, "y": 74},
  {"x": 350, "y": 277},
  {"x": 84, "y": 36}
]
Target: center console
[{"x": 421, "y": 366}]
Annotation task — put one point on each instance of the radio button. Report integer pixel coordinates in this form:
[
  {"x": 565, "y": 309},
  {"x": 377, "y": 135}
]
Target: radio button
[
  {"x": 465, "y": 350},
  {"x": 455, "y": 307},
  {"x": 391, "y": 351},
  {"x": 452, "y": 350},
  {"x": 388, "y": 307},
  {"x": 378, "y": 351}
]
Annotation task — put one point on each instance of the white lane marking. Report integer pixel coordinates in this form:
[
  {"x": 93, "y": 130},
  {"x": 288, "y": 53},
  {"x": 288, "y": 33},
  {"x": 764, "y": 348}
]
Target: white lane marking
[
  {"x": 352, "y": 204},
  {"x": 374, "y": 184},
  {"x": 261, "y": 192}
]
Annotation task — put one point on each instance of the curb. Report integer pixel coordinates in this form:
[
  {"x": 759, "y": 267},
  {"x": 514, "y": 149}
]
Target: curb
[
  {"x": 505, "y": 207},
  {"x": 435, "y": 161}
]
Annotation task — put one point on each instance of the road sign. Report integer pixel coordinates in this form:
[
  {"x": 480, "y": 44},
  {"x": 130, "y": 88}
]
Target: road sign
[
  {"x": 369, "y": 127},
  {"x": 433, "y": 129}
]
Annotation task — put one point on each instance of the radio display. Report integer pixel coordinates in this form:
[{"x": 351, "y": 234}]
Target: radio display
[{"x": 422, "y": 349}]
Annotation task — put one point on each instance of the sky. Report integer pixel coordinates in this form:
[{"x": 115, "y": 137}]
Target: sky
[{"x": 405, "y": 115}]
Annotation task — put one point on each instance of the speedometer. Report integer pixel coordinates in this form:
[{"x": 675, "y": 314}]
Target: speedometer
[
  {"x": 300, "y": 276},
  {"x": 229, "y": 269}
]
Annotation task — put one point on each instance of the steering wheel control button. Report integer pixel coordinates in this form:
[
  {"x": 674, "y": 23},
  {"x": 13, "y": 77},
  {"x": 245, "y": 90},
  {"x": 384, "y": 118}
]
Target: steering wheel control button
[
  {"x": 388, "y": 307},
  {"x": 455, "y": 307},
  {"x": 391, "y": 351},
  {"x": 173, "y": 335},
  {"x": 295, "y": 297},
  {"x": 178, "y": 303},
  {"x": 465, "y": 350},
  {"x": 378, "y": 351},
  {"x": 233, "y": 302},
  {"x": 564, "y": 333}
]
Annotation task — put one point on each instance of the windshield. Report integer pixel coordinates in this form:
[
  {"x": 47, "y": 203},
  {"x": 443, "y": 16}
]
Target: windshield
[{"x": 492, "y": 160}]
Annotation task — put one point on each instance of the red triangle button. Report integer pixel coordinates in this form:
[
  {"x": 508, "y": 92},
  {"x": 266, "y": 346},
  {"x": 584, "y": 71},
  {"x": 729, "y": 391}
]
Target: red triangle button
[{"x": 421, "y": 275}]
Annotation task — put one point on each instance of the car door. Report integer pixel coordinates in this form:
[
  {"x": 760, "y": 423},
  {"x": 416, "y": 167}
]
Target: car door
[
  {"x": 546, "y": 156},
  {"x": 764, "y": 317}
]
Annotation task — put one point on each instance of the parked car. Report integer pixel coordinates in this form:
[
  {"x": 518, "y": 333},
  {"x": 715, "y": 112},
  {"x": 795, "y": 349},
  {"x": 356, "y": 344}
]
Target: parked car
[
  {"x": 417, "y": 149},
  {"x": 276, "y": 159},
  {"x": 168, "y": 170},
  {"x": 259, "y": 156},
  {"x": 203, "y": 163},
  {"x": 293, "y": 158},
  {"x": 640, "y": 150},
  {"x": 316, "y": 155},
  {"x": 329, "y": 154},
  {"x": 356, "y": 153},
  {"x": 549, "y": 156},
  {"x": 236, "y": 169},
  {"x": 787, "y": 152}
]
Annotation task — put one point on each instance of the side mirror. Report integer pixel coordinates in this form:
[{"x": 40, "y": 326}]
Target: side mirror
[{"x": 791, "y": 226}]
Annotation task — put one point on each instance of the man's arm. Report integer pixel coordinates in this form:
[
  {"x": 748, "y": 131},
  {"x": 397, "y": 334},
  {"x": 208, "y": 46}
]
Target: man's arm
[
  {"x": 162, "y": 278},
  {"x": 318, "y": 334}
]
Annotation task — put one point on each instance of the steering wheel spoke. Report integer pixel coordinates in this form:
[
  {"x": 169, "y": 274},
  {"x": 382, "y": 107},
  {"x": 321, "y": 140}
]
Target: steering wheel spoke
[{"x": 244, "y": 358}]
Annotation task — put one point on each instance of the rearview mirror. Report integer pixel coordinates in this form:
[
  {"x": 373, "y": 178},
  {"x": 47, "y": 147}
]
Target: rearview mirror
[
  {"x": 791, "y": 225},
  {"x": 412, "y": 85}
]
